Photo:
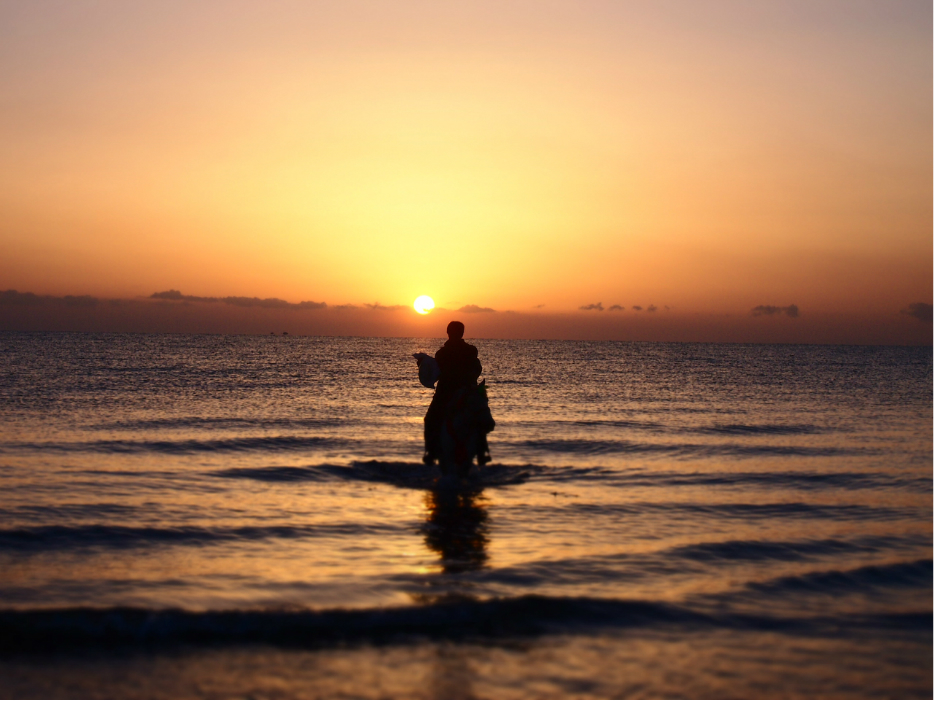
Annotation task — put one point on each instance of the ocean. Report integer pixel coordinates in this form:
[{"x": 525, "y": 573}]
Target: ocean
[{"x": 248, "y": 516}]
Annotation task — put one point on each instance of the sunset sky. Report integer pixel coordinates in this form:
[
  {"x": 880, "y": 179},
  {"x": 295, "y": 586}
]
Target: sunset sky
[{"x": 704, "y": 158}]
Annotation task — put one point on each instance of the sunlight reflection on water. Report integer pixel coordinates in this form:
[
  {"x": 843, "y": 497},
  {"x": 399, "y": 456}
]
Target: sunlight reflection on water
[{"x": 776, "y": 484}]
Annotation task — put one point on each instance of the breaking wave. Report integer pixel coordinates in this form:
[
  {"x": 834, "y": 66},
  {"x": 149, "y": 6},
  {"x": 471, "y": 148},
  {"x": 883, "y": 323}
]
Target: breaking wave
[{"x": 493, "y": 619}]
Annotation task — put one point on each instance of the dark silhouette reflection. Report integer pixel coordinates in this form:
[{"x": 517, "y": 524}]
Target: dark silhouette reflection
[
  {"x": 452, "y": 674},
  {"x": 456, "y": 529}
]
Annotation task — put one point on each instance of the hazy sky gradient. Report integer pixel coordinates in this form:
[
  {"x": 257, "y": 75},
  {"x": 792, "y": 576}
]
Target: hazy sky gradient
[{"x": 709, "y": 156}]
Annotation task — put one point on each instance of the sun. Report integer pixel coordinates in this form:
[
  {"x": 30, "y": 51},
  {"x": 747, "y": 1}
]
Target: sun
[{"x": 424, "y": 304}]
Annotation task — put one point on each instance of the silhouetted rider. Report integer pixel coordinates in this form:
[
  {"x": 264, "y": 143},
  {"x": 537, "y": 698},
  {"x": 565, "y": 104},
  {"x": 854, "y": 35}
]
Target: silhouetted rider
[{"x": 459, "y": 367}]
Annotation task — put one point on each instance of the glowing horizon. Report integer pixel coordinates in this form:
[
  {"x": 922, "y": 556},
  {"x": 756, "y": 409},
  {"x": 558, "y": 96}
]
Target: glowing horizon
[{"x": 710, "y": 157}]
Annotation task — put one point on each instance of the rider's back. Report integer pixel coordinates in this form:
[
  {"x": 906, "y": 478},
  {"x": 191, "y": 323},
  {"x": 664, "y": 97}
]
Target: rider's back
[{"x": 459, "y": 365}]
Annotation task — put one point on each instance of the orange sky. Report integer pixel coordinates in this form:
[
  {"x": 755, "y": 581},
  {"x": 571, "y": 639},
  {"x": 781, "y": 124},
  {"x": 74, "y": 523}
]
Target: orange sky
[{"x": 706, "y": 156}]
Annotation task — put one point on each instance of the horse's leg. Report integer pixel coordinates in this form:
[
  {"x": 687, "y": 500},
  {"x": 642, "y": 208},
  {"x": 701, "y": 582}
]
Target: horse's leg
[{"x": 470, "y": 450}]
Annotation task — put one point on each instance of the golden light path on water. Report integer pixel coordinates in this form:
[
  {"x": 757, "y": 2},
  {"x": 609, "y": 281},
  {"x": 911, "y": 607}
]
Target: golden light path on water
[{"x": 768, "y": 505}]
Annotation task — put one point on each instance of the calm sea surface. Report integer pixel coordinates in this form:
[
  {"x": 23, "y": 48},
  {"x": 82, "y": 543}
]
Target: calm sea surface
[{"x": 230, "y": 516}]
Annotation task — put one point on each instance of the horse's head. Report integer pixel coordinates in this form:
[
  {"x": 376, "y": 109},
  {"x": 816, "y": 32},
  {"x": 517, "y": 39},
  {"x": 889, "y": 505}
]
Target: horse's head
[{"x": 482, "y": 417}]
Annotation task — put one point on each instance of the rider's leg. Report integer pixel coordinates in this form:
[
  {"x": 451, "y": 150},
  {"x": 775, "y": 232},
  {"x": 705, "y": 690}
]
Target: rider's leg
[{"x": 433, "y": 420}]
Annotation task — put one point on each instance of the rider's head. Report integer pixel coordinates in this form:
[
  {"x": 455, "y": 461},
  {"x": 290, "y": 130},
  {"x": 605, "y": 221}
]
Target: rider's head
[{"x": 455, "y": 330}]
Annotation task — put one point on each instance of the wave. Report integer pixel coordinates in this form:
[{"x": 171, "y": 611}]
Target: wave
[
  {"x": 701, "y": 560},
  {"x": 68, "y": 511},
  {"x": 401, "y": 474},
  {"x": 361, "y": 446},
  {"x": 84, "y": 628},
  {"x": 271, "y": 443},
  {"x": 747, "y": 512},
  {"x": 46, "y": 538},
  {"x": 799, "y": 479},
  {"x": 917, "y": 573},
  {"x": 761, "y": 429},
  {"x": 604, "y": 423},
  {"x": 716, "y": 429},
  {"x": 192, "y": 422},
  {"x": 311, "y": 473},
  {"x": 412, "y": 474},
  {"x": 787, "y": 551},
  {"x": 604, "y": 447}
]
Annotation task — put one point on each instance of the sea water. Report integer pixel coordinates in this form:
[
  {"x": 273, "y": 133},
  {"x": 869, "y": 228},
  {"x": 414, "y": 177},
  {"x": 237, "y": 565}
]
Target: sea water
[{"x": 248, "y": 516}]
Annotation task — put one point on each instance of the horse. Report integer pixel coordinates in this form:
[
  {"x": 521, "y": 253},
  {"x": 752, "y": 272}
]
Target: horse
[{"x": 467, "y": 420}]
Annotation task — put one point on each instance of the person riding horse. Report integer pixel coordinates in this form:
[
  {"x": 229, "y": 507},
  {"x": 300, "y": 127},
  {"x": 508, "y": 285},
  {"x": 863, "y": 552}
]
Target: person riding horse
[{"x": 460, "y": 367}]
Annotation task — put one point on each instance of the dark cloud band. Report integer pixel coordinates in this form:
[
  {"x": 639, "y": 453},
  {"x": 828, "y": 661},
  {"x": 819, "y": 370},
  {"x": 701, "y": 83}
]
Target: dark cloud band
[
  {"x": 920, "y": 311},
  {"x": 267, "y": 303},
  {"x": 769, "y": 310}
]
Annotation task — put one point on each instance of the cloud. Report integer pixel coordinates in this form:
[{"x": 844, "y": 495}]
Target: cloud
[
  {"x": 598, "y": 307},
  {"x": 652, "y": 308},
  {"x": 474, "y": 309},
  {"x": 616, "y": 308},
  {"x": 538, "y": 306},
  {"x": 769, "y": 310},
  {"x": 267, "y": 303},
  {"x": 376, "y": 306},
  {"x": 171, "y": 313},
  {"x": 920, "y": 311},
  {"x": 636, "y": 308},
  {"x": 176, "y": 295},
  {"x": 22, "y": 299}
]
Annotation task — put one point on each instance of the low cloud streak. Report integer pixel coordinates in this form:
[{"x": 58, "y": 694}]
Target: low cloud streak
[
  {"x": 267, "y": 303},
  {"x": 768, "y": 310},
  {"x": 920, "y": 311},
  {"x": 12, "y": 297}
]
